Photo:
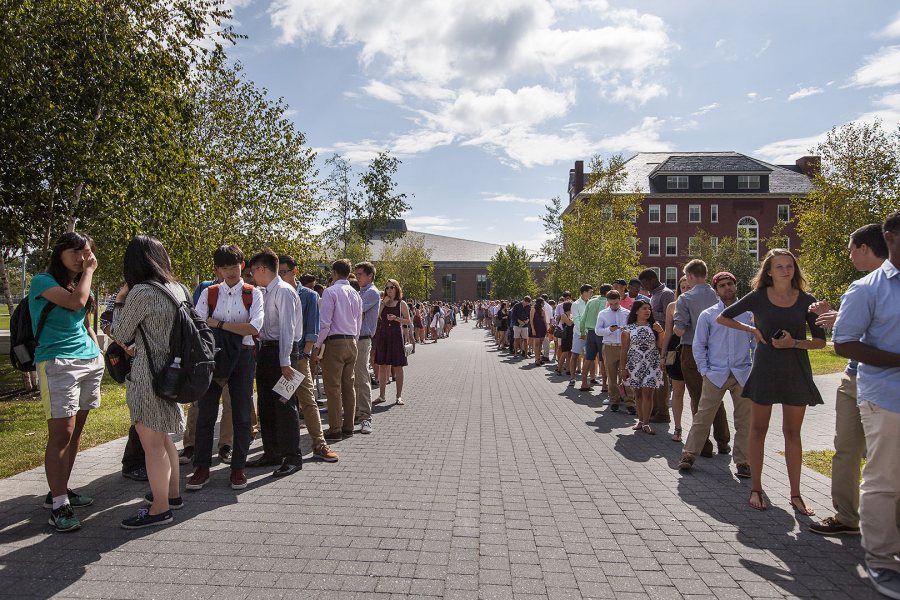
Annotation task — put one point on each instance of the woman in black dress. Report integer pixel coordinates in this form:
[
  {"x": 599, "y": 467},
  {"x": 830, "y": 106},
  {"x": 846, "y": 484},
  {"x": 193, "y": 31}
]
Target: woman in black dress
[
  {"x": 781, "y": 373},
  {"x": 538, "y": 324},
  {"x": 673, "y": 365},
  {"x": 389, "y": 351},
  {"x": 565, "y": 343},
  {"x": 502, "y": 325}
]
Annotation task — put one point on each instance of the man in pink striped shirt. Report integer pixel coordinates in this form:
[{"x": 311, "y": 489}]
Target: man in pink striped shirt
[{"x": 340, "y": 318}]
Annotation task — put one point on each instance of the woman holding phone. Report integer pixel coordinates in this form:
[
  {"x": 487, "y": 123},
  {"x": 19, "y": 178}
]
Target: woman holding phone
[{"x": 781, "y": 372}]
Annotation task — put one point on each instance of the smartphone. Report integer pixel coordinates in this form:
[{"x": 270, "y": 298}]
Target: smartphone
[{"x": 779, "y": 334}]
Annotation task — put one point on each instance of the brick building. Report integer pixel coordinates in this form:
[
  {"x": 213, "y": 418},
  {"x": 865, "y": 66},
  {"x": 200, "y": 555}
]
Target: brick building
[
  {"x": 721, "y": 192},
  {"x": 460, "y": 266}
]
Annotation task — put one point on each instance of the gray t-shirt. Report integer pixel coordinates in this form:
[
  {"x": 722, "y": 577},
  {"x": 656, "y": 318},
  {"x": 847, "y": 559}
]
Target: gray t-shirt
[{"x": 689, "y": 306}]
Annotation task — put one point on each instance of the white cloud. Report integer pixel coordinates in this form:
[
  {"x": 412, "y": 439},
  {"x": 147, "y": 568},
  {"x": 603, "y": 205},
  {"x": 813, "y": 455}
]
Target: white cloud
[
  {"x": 721, "y": 42},
  {"x": 805, "y": 93},
  {"x": 705, "y": 109},
  {"x": 433, "y": 223},
  {"x": 891, "y": 30},
  {"x": 383, "y": 91},
  {"x": 531, "y": 219},
  {"x": 496, "y": 197},
  {"x": 762, "y": 50},
  {"x": 752, "y": 95},
  {"x": 636, "y": 92},
  {"x": 881, "y": 69}
]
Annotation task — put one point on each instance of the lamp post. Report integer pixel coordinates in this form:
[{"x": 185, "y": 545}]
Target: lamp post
[{"x": 426, "y": 269}]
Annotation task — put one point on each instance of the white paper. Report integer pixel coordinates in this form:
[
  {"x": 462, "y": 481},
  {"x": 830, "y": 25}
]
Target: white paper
[{"x": 285, "y": 388}]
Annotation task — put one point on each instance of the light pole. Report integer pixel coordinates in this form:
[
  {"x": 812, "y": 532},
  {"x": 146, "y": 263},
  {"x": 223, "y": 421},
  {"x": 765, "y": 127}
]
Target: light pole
[{"x": 426, "y": 268}]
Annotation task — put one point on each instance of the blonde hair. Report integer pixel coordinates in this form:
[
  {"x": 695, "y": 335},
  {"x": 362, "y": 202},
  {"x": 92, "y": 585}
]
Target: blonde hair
[{"x": 763, "y": 279}]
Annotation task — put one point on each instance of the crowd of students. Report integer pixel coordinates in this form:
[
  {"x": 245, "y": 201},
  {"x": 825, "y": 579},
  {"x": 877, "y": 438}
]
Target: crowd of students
[
  {"x": 644, "y": 344},
  {"x": 269, "y": 329}
]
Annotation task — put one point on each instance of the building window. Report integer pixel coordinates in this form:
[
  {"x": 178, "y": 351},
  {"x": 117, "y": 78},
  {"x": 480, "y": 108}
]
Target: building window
[
  {"x": 653, "y": 247},
  {"x": 671, "y": 246},
  {"x": 671, "y": 277},
  {"x": 607, "y": 213},
  {"x": 481, "y": 286},
  {"x": 784, "y": 212},
  {"x": 671, "y": 213},
  {"x": 677, "y": 182},
  {"x": 713, "y": 182},
  {"x": 693, "y": 246},
  {"x": 655, "y": 270},
  {"x": 448, "y": 287},
  {"x": 748, "y": 235},
  {"x": 631, "y": 214},
  {"x": 714, "y": 213},
  {"x": 653, "y": 212},
  {"x": 748, "y": 182},
  {"x": 714, "y": 242},
  {"x": 694, "y": 213}
]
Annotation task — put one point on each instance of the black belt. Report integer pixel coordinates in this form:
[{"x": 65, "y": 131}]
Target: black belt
[
  {"x": 275, "y": 344},
  {"x": 362, "y": 337},
  {"x": 339, "y": 336}
]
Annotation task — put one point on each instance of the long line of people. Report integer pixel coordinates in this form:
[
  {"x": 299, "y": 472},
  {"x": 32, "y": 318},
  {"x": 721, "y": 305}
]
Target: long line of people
[{"x": 652, "y": 343}]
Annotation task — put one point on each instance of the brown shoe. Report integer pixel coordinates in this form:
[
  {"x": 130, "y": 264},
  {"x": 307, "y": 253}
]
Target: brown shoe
[
  {"x": 198, "y": 478},
  {"x": 334, "y": 436},
  {"x": 323, "y": 452},
  {"x": 238, "y": 479}
]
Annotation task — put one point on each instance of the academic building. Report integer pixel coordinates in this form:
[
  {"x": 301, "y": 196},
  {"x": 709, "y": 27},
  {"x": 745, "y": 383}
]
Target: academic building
[{"x": 727, "y": 194}]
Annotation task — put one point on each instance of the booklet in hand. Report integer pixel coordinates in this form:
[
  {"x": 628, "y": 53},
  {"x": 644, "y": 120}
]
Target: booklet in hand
[{"x": 285, "y": 388}]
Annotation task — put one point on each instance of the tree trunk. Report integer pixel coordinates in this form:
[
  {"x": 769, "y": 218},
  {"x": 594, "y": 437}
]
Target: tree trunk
[{"x": 4, "y": 284}]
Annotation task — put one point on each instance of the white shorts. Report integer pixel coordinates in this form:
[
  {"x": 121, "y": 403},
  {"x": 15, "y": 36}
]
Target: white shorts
[
  {"x": 578, "y": 344},
  {"x": 520, "y": 333},
  {"x": 69, "y": 385}
]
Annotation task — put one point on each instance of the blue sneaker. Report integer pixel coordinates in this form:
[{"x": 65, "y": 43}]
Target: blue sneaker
[
  {"x": 886, "y": 581},
  {"x": 75, "y": 499},
  {"x": 64, "y": 519},
  {"x": 145, "y": 519}
]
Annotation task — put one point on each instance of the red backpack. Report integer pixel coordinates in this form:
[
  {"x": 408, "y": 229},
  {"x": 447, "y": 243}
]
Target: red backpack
[{"x": 212, "y": 297}]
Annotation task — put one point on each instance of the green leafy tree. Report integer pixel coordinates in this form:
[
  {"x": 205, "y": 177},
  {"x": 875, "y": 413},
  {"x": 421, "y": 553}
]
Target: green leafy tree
[
  {"x": 377, "y": 202},
  {"x": 728, "y": 254},
  {"x": 859, "y": 184},
  {"x": 338, "y": 196},
  {"x": 510, "y": 273},
  {"x": 597, "y": 240},
  {"x": 408, "y": 260}
]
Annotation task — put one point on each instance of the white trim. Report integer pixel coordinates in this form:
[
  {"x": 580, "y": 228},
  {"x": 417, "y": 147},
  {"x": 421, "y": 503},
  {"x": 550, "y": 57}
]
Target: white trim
[
  {"x": 753, "y": 240},
  {"x": 788, "y": 207},
  {"x": 716, "y": 182},
  {"x": 677, "y": 180},
  {"x": 650, "y": 213},
  {"x": 650, "y": 246},
  {"x": 673, "y": 280},
  {"x": 672, "y": 237},
  {"x": 699, "y": 208},
  {"x": 675, "y": 206},
  {"x": 712, "y": 218},
  {"x": 748, "y": 186}
]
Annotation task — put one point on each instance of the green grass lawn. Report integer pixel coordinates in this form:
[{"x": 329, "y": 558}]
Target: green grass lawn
[
  {"x": 826, "y": 361},
  {"x": 4, "y": 317},
  {"x": 820, "y": 461},
  {"x": 23, "y": 427}
]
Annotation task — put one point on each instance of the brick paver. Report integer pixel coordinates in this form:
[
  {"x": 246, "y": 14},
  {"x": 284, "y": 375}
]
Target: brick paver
[{"x": 495, "y": 481}]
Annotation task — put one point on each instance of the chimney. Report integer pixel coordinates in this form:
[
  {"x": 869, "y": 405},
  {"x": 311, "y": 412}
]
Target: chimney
[
  {"x": 810, "y": 165},
  {"x": 579, "y": 176}
]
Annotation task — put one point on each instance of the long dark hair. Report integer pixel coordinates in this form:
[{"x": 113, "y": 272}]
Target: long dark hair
[
  {"x": 632, "y": 316},
  {"x": 58, "y": 271},
  {"x": 147, "y": 260}
]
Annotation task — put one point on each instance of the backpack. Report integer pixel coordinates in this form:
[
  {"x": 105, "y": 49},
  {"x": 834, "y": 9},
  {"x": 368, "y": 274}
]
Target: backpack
[
  {"x": 212, "y": 297},
  {"x": 23, "y": 340},
  {"x": 188, "y": 370}
]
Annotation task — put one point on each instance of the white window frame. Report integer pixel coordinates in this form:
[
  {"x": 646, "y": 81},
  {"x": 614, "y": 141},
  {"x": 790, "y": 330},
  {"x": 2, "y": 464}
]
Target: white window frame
[
  {"x": 692, "y": 208},
  {"x": 675, "y": 207},
  {"x": 606, "y": 212},
  {"x": 714, "y": 242},
  {"x": 713, "y": 182},
  {"x": 713, "y": 213},
  {"x": 650, "y": 251},
  {"x": 671, "y": 282},
  {"x": 787, "y": 207},
  {"x": 655, "y": 270},
  {"x": 681, "y": 182},
  {"x": 672, "y": 237},
  {"x": 650, "y": 210},
  {"x": 746, "y": 182},
  {"x": 753, "y": 240},
  {"x": 692, "y": 241}
]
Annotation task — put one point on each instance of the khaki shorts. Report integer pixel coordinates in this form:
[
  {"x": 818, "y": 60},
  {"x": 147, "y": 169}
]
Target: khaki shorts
[
  {"x": 520, "y": 333},
  {"x": 69, "y": 385}
]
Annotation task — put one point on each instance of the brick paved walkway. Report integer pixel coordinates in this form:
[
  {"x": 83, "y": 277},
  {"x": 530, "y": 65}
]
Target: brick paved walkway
[{"x": 495, "y": 481}]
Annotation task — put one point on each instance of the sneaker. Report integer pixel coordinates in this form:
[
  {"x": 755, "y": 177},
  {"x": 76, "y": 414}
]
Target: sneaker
[
  {"x": 686, "y": 464},
  {"x": 186, "y": 455},
  {"x": 886, "y": 581},
  {"x": 334, "y": 436},
  {"x": 743, "y": 471},
  {"x": 594, "y": 381},
  {"x": 176, "y": 503},
  {"x": 225, "y": 454},
  {"x": 707, "y": 451},
  {"x": 631, "y": 410},
  {"x": 238, "y": 479},
  {"x": 75, "y": 499},
  {"x": 832, "y": 526},
  {"x": 64, "y": 519},
  {"x": 139, "y": 474},
  {"x": 365, "y": 426},
  {"x": 145, "y": 519},
  {"x": 198, "y": 479},
  {"x": 323, "y": 452}
]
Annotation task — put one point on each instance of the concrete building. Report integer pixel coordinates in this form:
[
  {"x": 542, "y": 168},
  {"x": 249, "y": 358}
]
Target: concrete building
[{"x": 723, "y": 193}]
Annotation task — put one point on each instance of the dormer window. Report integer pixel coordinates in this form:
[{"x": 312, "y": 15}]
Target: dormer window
[
  {"x": 677, "y": 182},
  {"x": 713, "y": 182},
  {"x": 748, "y": 182}
]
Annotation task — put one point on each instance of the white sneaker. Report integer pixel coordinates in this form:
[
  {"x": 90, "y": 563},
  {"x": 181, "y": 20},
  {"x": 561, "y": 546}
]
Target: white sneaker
[{"x": 366, "y": 426}]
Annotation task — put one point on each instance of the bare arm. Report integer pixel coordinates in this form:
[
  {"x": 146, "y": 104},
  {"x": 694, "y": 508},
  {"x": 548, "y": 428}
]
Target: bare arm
[
  {"x": 867, "y": 354},
  {"x": 623, "y": 352},
  {"x": 669, "y": 328},
  {"x": 722, "y": 320},
  {"x": 77, "y": 298}
]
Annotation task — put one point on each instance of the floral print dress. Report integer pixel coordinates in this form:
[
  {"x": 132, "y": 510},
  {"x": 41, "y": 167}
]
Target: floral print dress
[{"x": 642, "y": 362}]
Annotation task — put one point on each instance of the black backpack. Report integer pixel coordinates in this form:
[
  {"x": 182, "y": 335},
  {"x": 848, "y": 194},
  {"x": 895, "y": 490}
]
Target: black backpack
[
  {"x": 192, "y": 350},
  {"x": 23, "y": 340}
]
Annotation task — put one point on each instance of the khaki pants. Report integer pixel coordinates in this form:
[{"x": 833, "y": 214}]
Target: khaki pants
[
  {"x": 362, "y": 385},
  {"x": 693, "y": 381},
  {"x": 880, "y": 489},
  {"x": 849, "y": 447},
  {"x": 661, "y": 398},
  {"x": 306, "y": 397},
  {"x": 708, "y": 407},
  {"x": 611, "y": 361},
  {"x": 338, "y": 366},
  {"x": 226, "y": 429}
]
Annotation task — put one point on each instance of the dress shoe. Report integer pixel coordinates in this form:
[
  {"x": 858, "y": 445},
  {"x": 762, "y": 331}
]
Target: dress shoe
[
  {"x": 707, "y": 451},
  {"x": 724, "y": 449},
  {"x": 333, "y": 436},
  {"x": 286, "y": 469},
  {"x": 263, "y": 461}
]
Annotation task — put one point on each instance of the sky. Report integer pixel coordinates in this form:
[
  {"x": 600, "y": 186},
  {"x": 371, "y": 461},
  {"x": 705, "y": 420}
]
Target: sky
[{"x": 488, "y": 103}]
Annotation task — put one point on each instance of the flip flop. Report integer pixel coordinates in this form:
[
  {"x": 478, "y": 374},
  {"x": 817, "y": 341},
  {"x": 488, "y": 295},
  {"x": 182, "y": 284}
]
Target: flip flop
[{"x": 801, "y": 508}]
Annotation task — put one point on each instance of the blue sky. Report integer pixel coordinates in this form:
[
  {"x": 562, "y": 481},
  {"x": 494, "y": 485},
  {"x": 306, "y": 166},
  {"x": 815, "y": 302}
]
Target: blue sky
[{"x": 488, "y": 103}]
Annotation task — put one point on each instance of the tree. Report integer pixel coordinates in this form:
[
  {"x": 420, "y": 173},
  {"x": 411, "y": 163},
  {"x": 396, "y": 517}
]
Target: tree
[
  {"x": 377, "y": 203},
  {"x": 859, "y": 184},
  {"x": 728, "y": 254},
  {"x": 510, "y": 273},
  {"x": 409, "y": 262},
  {"x": 597, "y": 240},
  {"x": 552, "y": 248},
  {"x": 338, "y": 196}
]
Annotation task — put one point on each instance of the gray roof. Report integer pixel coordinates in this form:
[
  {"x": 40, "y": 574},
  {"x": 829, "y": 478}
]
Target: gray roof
[
  {"x": 445, "y": 249},
  {"x": 782, "y": 180},
  {"x": 707, "y": 163}
]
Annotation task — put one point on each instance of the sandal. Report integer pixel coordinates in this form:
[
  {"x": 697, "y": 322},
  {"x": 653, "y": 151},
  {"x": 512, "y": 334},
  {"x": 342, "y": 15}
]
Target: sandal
[
  {"x": 637, "y": 426},
  {"x": 647, "y": 429},
  {"x": 762, "y": 500},
  {"x": 400, "y": 401},
  {"x": 676, "y": 437},
  {"x": 801, "y": 507}
]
